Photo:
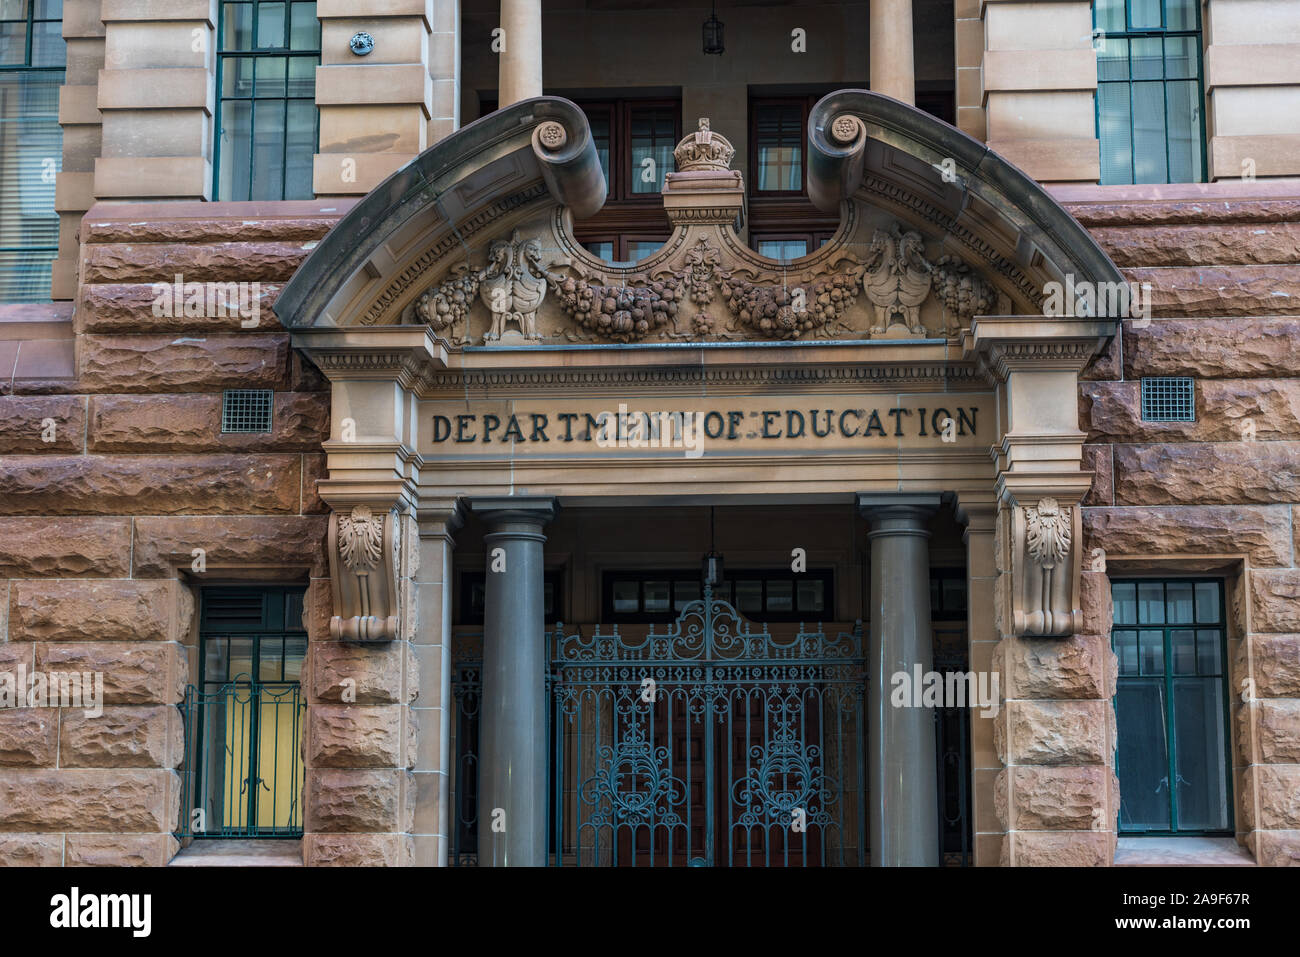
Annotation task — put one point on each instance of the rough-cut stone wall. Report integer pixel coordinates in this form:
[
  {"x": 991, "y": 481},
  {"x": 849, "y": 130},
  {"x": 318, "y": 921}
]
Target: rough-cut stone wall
[
  {"x": 110, "y": 477},
  {"x": 1218, "y": 495}
]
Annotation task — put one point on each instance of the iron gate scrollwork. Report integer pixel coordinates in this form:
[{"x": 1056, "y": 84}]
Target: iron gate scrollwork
[{"x": 711, "y": 742}]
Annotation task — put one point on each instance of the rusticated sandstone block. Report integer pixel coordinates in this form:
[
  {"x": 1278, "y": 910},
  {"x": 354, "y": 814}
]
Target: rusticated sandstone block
[
  {"x": 121, "y": 850},
  {"x": 1279, "y": 796},
  {"x": 41, "y": 423},
  {"x": 339, "y": 800},
  {"x": 1053, "y": 733},
  {"x": 1051, "y": 798},
  {"x": 1106, "y": 364},
  {"x": 313, "y": 470},
  {"x": 134, "y": 672},
  {"x": 1059, "y": 849},
  {"x": 1217, "y": 244},
  {"x": 129, "y": 307},
  {"x": 192, "y": 423},
  {"x": 29, "y": 737},
  {"x": 266, "y": 261},
  {"x": 13, "y": 654},
  {"x": 355, "y": 736},
  {"x": 318, "y": 608},
  {"x": 1261, "y": 531},
  {"x": 1097, "y": 460},
  {"x": 145, "y": 737},
  {"x": 31, "y": 850},
  {"x": 1227, "y": 410},
  {"x": 1222, "y": 290},
  {"x": 1213, "y": 348},
  {"x": 1095, "y": 602},
  {"x": 150, "y": 363},
  {"x": 372, "y": 674},
  {"x": 1277, "y": 665},
  {"x": 1278, "y": 848},
  {"x": 1177, "y": 212},
  {"x": 49, "y": 800},
  {"x": 1071, "y": 668},
  {"x": 1275, "y": 600},
  {"x": 150, "y": 484},
  {"x": 119, "y": 610},
  {"x": 162, "y": 545},
  {"x": 1244, "y": 473},
  {"x": 358, "y": 850},
  {"x": 65, "y": 547},
  {"x": 1278, "y": 726},
  {"x": 216, "y": 229}
]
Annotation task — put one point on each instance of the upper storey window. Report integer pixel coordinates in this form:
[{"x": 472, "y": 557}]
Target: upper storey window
[
  {"x": 32, "y": 57},
  {"x": 1150, "y": 119},
  {"x": 267, "y": 122}
]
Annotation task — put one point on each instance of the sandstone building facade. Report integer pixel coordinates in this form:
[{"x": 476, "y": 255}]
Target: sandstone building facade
[{"x": 571, "y": 433}]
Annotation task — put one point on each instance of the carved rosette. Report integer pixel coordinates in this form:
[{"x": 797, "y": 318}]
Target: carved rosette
[
  {"x": 363, "y": 570},
  {"x": 1046, "y": 567}
]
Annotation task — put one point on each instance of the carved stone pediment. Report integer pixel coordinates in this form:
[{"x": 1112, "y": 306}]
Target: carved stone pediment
[{"x": 875, "y": 280}]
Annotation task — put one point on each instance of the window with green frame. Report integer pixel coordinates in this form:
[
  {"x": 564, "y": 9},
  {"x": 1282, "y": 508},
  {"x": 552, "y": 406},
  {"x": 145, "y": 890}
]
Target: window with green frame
[
  {"x": 1150, "y": 117},
  {"x": 32, "y": 59},
  {"x": 1171, "y": 707},
  {"x": 267, "y": 122}
]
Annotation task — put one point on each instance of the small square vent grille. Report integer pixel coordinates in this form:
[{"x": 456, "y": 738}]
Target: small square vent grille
[
  {"x": 1168, "y": 399},
  {"x": 246, "y": 410}
]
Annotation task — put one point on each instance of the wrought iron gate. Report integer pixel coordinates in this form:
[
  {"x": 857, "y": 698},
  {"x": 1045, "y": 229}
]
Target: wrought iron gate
[{"x": 711, "y": 742}]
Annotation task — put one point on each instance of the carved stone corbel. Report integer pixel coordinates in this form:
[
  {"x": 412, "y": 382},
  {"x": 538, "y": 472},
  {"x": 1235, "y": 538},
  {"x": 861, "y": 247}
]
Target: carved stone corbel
[
  {"x": 363, "y": 554},
  {"x": 1046, "y": 564}
]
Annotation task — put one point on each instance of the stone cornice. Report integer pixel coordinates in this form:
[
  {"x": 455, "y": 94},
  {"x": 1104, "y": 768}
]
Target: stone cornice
[{"x": 1004, "y": 344}]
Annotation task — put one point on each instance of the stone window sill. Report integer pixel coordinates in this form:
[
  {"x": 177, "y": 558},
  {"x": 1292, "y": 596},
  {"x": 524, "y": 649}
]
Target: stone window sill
[
  {"x": 240, "y": 853},
  {"x": 1181, "y": 852}
]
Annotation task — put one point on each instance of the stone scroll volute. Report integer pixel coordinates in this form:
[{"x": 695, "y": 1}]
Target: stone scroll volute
[
  {"x": 363, "y": 544},
  {"x": 1046, "y": 565}
]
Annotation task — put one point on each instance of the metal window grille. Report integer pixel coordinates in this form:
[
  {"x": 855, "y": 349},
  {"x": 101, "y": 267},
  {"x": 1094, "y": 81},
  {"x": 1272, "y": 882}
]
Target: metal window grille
[
  {"x": 1168, "y": 399},
  {"x": 246, "y": 410}
]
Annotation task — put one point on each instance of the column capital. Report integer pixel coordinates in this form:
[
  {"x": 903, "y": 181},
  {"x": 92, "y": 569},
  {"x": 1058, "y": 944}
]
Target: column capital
[
  {"x": 531, "y": 509},
  {"x": 440, "y": 517},
  {"x": 878, "y": 505}
]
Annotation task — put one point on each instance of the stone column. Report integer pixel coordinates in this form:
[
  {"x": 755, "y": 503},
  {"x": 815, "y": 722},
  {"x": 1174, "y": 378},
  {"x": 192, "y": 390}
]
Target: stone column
[
  {"x": 444, "y": 67},
  {"x": 903, "y": 786},
  {"x": 893, "y": 72},
  {"x": 521, "y": 58},
  {"x": 512, "y": 715}
]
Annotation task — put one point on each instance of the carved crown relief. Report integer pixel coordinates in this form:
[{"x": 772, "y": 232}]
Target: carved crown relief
[{"x": 874, "y": 280}]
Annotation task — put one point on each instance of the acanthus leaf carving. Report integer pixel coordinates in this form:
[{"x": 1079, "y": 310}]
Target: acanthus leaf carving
[
  {"x": 363, "y": 570},
  {"x": 1047, "y": 564}
]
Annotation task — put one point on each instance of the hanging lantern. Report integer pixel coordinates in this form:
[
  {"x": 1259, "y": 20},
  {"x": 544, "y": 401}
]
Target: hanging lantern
[
  {"x": 711, "y": 569},
  {"x": 713, "y": 33}
]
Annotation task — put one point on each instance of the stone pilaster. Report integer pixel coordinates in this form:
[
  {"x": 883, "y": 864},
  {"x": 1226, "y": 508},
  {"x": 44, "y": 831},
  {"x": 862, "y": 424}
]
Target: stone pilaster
[
  {"x": 74, "y": 190},
  {"x": 521, "y": 58},
  {"x": 1252, "y": 86},
  {"x": 374, "y": 109},
  {"x": 968, "y": 53},
  {"x": 1039, "y": 87},
  {"x": 892, "y": 58},
  {"x": 444, "y": 67},
  {"x": 156, "y": 95}
]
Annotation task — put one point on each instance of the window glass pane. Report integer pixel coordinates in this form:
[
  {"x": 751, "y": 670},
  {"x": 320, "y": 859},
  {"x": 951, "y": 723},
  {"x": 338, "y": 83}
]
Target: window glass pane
[
  {"x": 13, "y": 44},
  {"x": 241, "y": 659},
  {"x": 1144, "y": 14},
  {"x": 626, "y": 597},
  {"x": 216, "y": 657},
  {"x": 301, "y": 144},
  {"x": 1142, "y": 761},
  {"x": 236, "y": 145},
  {"x": 237, "y": 26},
  {"x": 48, "y": 10},
  {"x": 1147, "y": 58},
  {"x": 778, "y": 137},
  {"x": 295, "y": 652},
  {"x": 31, "y": 154},
  {"x": 1178, "y": 602},
  {"x": 270, "y": 25},
  {"x": 1126, "y": 650},
  {"x": 1149, "y": 160},
  {"x": 1181, "y": 57},
  {"x": 1116, "y": 133},
  {"x": 302, "y": 77},
  {"x": 780, "y": 595},
  {"x": 48, "y": 47},
  {"x": 268, "y": 150},
  {"x": 749, "y": 595},
  {"x": 270, "y": 659},
  {"x": 1183, "y": 647},
  {"x": 304, "y": 33},
  {"x": 1151, "y": 648},
  {"x": 13, "y": 10},
  {"x": 601, "y": 250},
  {"x": 783, "y": 248},
  {"x": 1200, "y": 755},
  {"x": 1207, "y": 602},
  {"x": 657, "y": 597},
  {"x": 1180, "y": 14},
  {"x": 812, "y": 595},
  {"x": 237, "y": 76},
  {"x": 599, "y": 122},
  {"x": 685, "y": 592},
  {"x": 1112, "y": 59},
  {"x": 1151, "y": 603},
  {"x": 1184, "y": 112},
  {"x": 1209, "y": 652},
  {"x": 638, "y": 249},
  {"x": 271, "y": 73},
  {"x": 1110, "y": 15},
  {"x": 1125, "y": 598},
  {"x": 653, "y": 134}
]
